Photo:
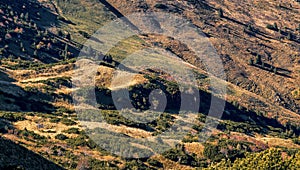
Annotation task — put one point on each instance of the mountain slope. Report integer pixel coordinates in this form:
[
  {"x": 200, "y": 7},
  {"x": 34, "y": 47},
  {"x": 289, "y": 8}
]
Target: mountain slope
[{"x": 261, "y": 59}]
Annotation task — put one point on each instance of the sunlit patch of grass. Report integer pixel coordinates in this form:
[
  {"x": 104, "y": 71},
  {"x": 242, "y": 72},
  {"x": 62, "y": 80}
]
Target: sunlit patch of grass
[
  {"x": 87, "y": 15},
  {"x": 126, "y": 47}
]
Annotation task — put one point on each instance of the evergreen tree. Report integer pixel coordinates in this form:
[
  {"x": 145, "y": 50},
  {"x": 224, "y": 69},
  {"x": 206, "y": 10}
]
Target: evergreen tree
[
  {"x": 11, "y": 13},
  {"x": 268, "y": 159},
  {"x": 66, "y": 52},
  {"x": 35, "y": 53},
  {"x": 26, "y": 16},
  {"x": 60, "y": 33},
  {"x": 68, "y": 36},
  {"x": 250, "y": 28},
  {"x": 251, "y": 62},
  {"x": 275, "y": 26},
  {"x": 109, "y": 59},
  {"x": 258, "y": 59},
  {"x": 289, "y": 37},
  {"x": 275, "y": 70},
  {"x": 22, "y": 15},
  {"x": 221, "y": 13}
]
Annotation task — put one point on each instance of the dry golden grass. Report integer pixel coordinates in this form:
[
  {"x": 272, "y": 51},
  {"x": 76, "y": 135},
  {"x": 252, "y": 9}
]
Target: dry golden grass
[
  {"x": 123, "y": 81},
  {"x": 194, "y": 147},
  {"x": 168, "y": 164},
  {"x": 278, "y": 142},
  {"x": 32, "y": 122},
  {"x": 133, "y": 132}
]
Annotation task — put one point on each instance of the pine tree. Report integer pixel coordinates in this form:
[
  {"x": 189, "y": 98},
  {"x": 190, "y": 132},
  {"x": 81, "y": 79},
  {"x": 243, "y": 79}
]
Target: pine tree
[
  {"x": 250, "y": 28},
  {"x": 11, "y": 13},
  {"x": 64, "y": 53},
  {"x": 68, "y": 36},
  {"x": 60, "y": 33},
  {"x": 275, "y": 70},
  {"x": 220, "y": 12},
  {"x": 22, "y": 15},
  {"x": 27, "y": 16},
  {"x": 275, "y": 26},
  {"x": 35, "y": 53},
  {"x": 258, "y": 59},
  {"x": 109, "y": 59},
  {"x": 251, "y": 62},
  {"x": 289, "y": 37}
]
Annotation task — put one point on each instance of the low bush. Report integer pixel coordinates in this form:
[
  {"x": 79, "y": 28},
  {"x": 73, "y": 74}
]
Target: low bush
[
  {"x": 55, "y": 120},
  {"x": 61, "y": 137},
  {"x": 180, "y": 156},
  {"x": 11, "y": 116},
  {"x": 78, "y": 141},
  {"x": 68, "y": 122},
  {"x": 296, "y": 141},
  {"x": 30, "y": 134},
  {"x": 72, "y": 131}
]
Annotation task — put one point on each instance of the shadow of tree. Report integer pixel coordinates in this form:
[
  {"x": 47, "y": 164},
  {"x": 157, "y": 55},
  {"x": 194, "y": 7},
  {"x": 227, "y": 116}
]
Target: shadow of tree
[{"x": 270, "y": 68}]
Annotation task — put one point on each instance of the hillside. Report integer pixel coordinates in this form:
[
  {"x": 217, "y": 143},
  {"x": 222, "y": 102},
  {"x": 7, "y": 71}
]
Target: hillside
[{"x": 257, "y": 41}]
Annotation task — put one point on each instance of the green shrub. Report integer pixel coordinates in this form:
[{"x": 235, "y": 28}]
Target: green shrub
[
  {"x": 178, "y": 155},
  {"x": 95, "y": 164},
  {"x": 296, "y": 141},
  {"x": 273, "y": 27},
  {"x": 72, "y": 131},
  {"x": 212, "y": 152},
  {"x": 61, "y": 137},
  {"x": 55, "y": 120},
  {"x": 11, "y": 116},
  {"x": 30, "y": 134},
  {"x": 190, "y": 139},
  {"x": 262, "y": 160},
  {"x": 91, "y": 144},
  {"x": 78, "y": 141},
  {"x": 68, "y": 122},
  {"x": 201, "y": 117},
  {"x": 135, "y": 164},
  {"x": 62, "y": 110}
]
